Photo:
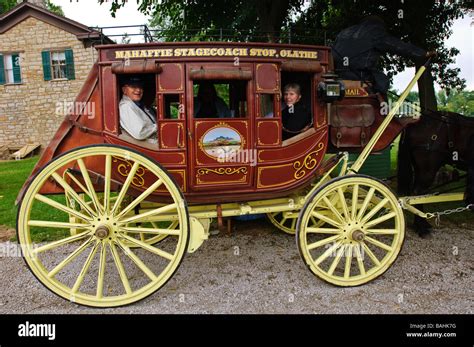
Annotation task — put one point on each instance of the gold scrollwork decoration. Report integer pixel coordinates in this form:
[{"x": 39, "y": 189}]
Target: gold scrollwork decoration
[
  {"x": 123, "y": 168},
  {"x": 308, "y": 163},
  {"x": 222, "y": 171}
]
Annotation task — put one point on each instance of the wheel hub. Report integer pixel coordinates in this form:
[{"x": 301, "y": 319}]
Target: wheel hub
[
  {"x": 102, "y": 231},
  {"x": 358, "y": 235}
]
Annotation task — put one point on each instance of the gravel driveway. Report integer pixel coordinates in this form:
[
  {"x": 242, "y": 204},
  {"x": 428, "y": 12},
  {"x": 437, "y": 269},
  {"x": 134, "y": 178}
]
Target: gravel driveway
[{"x": 257, "y": 269}]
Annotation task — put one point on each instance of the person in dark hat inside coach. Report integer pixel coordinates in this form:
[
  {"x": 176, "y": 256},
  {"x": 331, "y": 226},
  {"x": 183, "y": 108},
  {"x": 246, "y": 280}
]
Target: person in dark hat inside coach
[{"x": 136, "y": 119}]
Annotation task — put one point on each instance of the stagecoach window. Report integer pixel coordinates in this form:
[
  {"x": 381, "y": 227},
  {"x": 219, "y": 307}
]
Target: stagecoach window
[
  {"x": 173, "y": 108},
  {"x": 267, "y": 105},
  {"x": 58, "y": 64},
  {"x": 220, "y": 98}
]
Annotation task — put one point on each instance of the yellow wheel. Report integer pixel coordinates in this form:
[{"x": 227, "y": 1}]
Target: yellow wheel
[
  {"x": 107, "y": 261},
  {"x": 286, "y": 221},
  {"x": 361, "y": 237}
]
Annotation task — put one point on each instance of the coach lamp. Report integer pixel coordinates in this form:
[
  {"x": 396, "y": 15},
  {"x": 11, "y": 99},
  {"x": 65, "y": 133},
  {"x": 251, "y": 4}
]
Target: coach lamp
[{"x": 331, "y": 89}]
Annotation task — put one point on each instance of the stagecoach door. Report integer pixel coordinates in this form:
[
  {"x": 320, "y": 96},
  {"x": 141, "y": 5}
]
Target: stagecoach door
[{"x": 220, "y": 145}]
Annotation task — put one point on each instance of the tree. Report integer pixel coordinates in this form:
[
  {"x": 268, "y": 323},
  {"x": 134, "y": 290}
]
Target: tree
[
  {"x": 457, "y": 101},
  {"x": 199, "y": 19},
  {"x": 6, "y": 5},
  {"x": 54, "y": 8}
]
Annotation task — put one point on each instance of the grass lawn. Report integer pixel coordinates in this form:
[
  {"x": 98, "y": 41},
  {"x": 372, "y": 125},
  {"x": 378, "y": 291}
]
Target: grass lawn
[{"x": 12, "y": 176}]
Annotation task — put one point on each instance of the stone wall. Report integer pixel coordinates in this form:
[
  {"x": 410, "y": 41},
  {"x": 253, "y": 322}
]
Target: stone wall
[{"x": 28, "y": 111}]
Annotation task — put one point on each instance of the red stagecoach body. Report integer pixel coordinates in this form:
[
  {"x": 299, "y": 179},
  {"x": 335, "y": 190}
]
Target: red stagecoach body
[{"x": 255, "y": 74}]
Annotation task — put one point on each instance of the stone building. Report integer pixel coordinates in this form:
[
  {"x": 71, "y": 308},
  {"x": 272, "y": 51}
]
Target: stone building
[{"x": 44, "y": 60}]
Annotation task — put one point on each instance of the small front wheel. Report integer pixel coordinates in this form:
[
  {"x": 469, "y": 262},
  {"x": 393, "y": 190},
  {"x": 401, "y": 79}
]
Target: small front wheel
[{"x": 360, "y": 231}]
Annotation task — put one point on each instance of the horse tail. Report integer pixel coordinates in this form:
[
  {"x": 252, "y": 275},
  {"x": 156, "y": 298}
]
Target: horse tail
[{"x": 405, "y": 172}]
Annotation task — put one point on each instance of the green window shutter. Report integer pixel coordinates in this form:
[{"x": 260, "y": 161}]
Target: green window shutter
[
  {"x": 16, "y": 68},
  {"x": 70, "y": 74},
  {"x": 2, "y": 70},
  {"x": 46, "y": 56}
]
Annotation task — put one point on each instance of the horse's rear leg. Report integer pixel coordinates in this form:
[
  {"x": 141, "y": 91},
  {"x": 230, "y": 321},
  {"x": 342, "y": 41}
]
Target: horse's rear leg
[
  {"x": 422, "y": 227},
  {"x": 469, "y": 193},
  {"x": 423, "y": 180}
]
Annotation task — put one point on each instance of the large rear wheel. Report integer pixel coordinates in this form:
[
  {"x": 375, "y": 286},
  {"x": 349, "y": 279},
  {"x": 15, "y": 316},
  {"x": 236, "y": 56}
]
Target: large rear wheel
[{"x": 90, "y": 242}]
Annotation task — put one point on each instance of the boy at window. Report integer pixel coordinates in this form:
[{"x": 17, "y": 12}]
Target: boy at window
[
  {"x": 135, "y": 118},
  {"x": 296, "y": 118}
]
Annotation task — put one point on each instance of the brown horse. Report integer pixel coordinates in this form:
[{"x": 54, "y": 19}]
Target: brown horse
[{"x": 439, "y": 138}]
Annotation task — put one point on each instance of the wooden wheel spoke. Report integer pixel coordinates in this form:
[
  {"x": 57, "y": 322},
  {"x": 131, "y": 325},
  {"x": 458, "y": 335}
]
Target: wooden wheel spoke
[
  {"x": 85, "y": 268},
  {"x": 325, "y": 219},
  {"x": 68, "y": 189},
  {"x": 323, "y": 242},
  {"x": 323, "y": 231},
  {"x": 342, "y": 198},
  {"x": 347, "y": 267},
  {"x": 70, "y": 258},
  {"x": 147, "y": 247},
  {"x": 328, "y": 252},
  {"x": 333, "y": 209},
  {"x": 367, "y": 199},
  {"x": 62, "y": 207},
  {"x": 101, "y": 273},
  {"x": 154, "y": 231},
  {"x": 376, "y": 209},
  {"x": 382, "y": 231},
  {"x": 140, "y": 198},
  {"x": 378, "y": 243},
  {"x": 61, "y": 242},
  {"x": 360, "y": 260},
  {"x": 142, "y": 216},
  {"x": 120, "y": 268},
  {"x": 371, "y": 254},
  {"x": 336, "y": 260},
  {"x": 146, "y": 270},
  {"x": 293, "y": 223},
  {"x": 78, "y": 183},
  {"x": 355, "y": 198},
  {"x": 107, "y": 178},
  {"x": 380, "y": 219},
  {"x": 60, "y": 225},
  {"x": 125, "y": 187}
]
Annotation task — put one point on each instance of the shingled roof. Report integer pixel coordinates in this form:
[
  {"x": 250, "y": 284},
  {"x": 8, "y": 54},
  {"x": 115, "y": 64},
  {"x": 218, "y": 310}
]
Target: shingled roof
[{"x": 25, "y": 10}]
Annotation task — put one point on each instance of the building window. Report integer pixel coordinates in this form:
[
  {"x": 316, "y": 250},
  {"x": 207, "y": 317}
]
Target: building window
[
  {"x": 10, "y": 72},
  {"x": 58, "y": 65}
]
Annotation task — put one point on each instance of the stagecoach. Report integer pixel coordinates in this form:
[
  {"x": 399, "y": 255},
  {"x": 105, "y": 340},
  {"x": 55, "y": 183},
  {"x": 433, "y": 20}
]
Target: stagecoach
[{"x": 124, "y": 212}]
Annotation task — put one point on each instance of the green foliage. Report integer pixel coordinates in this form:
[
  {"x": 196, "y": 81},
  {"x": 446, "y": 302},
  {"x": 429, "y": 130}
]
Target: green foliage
[
  {"x": 457, "y": 101},
  {"x": 6, "y": 5},
  {"x": 54, "y": 8}
]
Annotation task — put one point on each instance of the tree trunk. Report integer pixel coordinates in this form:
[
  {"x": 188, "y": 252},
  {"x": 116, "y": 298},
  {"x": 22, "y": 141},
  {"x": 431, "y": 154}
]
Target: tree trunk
[
  {"x": 271, "y": 15},
  {"x": 426, "y": 90}
]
